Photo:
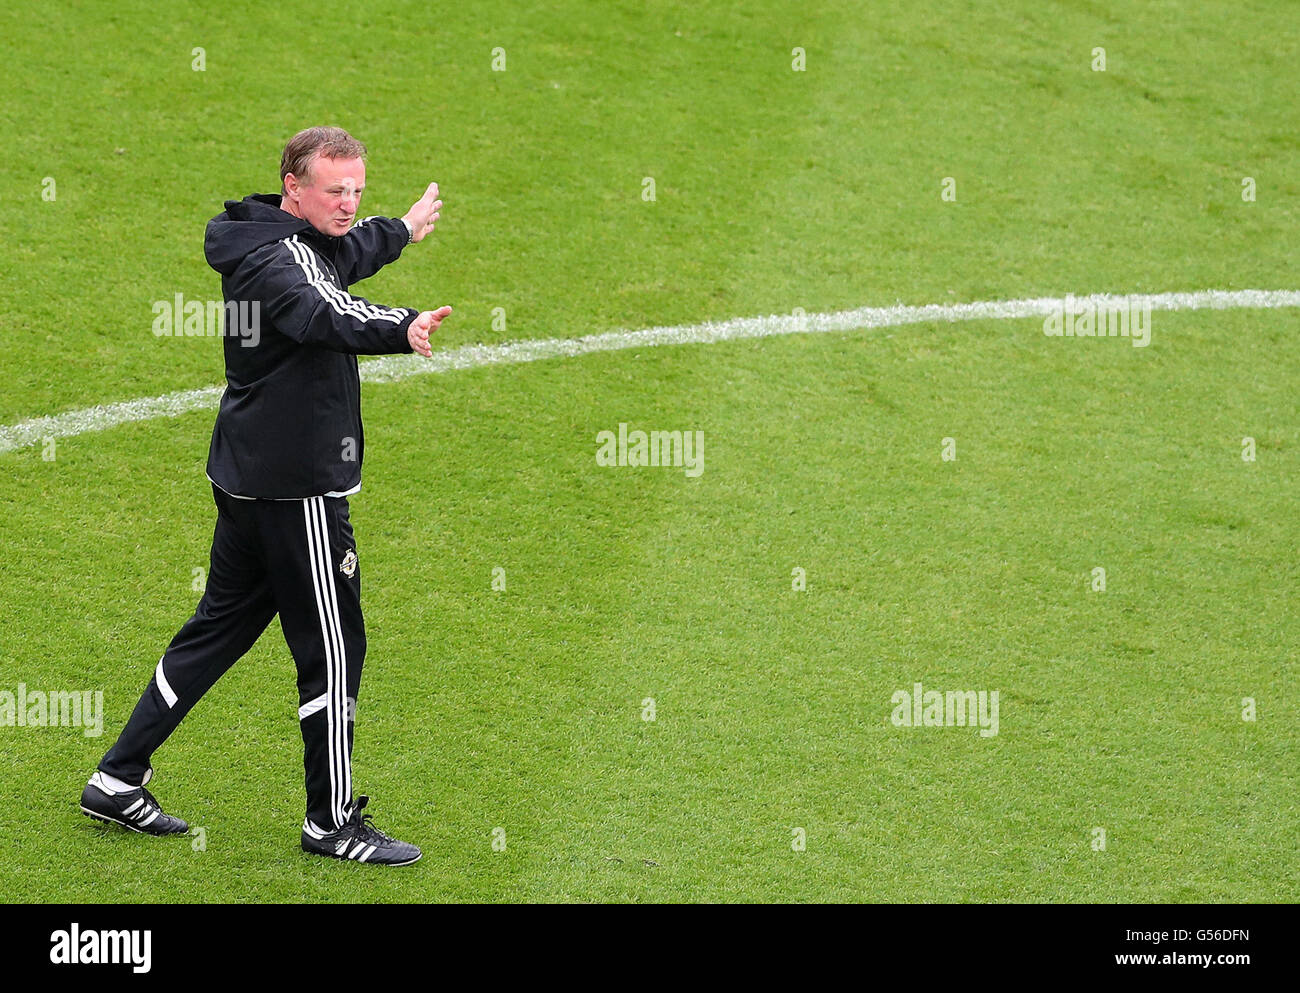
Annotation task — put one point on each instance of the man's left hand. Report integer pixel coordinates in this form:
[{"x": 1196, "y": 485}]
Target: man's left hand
[{"x": 423, "y": 213}]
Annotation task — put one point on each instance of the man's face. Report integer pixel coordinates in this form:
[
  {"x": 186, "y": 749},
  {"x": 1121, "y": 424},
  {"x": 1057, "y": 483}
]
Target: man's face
[{"x": 329, "y": 196}]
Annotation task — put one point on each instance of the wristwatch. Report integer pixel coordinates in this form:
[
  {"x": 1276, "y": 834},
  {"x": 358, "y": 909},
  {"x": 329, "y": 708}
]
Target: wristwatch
[{"x": 410, "y": 231}]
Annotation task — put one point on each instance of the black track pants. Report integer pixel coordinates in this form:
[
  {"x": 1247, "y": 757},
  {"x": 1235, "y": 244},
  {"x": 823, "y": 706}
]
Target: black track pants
[{"x": 297, "y": 558}]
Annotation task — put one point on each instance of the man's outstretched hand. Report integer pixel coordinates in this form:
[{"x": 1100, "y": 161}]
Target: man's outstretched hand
[
  {"x": 423, "y": 213},
  {"x": 425, "y": 323}
]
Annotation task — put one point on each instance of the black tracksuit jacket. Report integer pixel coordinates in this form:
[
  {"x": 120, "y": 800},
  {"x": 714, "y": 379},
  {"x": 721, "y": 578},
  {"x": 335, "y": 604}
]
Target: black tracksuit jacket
[{"x": 289, "y": 426}]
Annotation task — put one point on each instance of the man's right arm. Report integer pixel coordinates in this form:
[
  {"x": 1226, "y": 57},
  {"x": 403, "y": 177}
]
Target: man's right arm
[{"x": 302, "y": 303}]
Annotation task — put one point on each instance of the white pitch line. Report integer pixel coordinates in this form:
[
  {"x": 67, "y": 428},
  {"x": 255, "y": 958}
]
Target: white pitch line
[{"x": 395, "y": 367}]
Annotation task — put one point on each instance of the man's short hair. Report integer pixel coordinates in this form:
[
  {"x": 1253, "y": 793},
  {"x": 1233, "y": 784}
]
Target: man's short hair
[{"x": 306, "y": 146}]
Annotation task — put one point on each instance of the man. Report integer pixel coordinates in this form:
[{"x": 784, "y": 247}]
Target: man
[{"x": 285, "y": 456}]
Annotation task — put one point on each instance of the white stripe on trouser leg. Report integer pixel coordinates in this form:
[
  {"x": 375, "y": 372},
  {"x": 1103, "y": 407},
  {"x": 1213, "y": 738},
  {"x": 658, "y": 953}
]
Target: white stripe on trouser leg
[
  {"x": 337, "y": 700},
  {"x": 335, "y": 657},
  {"x": 321, "y": 567},
  {"x": 311, "y": 707},
  {"x": 164, "y": 687},
  {"x": 327, "y": 644},
  {"x": 325, "y": 640}
]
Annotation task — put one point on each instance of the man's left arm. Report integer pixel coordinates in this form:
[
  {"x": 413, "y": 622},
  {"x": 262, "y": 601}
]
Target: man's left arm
[{"x": 376, "y": 241}]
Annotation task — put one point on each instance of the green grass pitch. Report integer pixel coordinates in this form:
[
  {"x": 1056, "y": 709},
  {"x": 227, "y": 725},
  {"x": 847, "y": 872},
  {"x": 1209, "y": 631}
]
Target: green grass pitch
[{"x": 504, "y": 730}]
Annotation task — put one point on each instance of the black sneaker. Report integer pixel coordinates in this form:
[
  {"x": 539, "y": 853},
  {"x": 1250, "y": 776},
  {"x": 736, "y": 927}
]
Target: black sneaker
[
  {"x": 358, "y": 840},
  {"x": 135, "y": 809}
]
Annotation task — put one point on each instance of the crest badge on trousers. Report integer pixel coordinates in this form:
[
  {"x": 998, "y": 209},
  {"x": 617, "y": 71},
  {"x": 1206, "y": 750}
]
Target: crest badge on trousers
[{"x": 349, "y": 564}]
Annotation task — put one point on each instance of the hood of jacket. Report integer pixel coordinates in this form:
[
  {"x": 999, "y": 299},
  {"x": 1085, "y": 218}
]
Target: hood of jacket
[{"x": 245, "y": 226}]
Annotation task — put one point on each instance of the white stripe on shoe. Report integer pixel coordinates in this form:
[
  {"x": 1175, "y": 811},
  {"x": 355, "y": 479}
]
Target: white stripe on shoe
[
  {"x": 112, "y": 786},
  {"x": 131, "y": 809},
  {"x": 369, "y": 852}
]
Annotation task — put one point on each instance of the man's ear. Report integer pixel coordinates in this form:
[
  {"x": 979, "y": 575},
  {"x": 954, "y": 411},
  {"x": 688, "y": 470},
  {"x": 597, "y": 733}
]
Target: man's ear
[{"x": 292, "y": 188}]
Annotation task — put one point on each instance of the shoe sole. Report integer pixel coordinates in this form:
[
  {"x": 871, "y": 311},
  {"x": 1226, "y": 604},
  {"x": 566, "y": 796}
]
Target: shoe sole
[
  {"x": 344, "y": 858},
  {"x": 96, "y": 815}
]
